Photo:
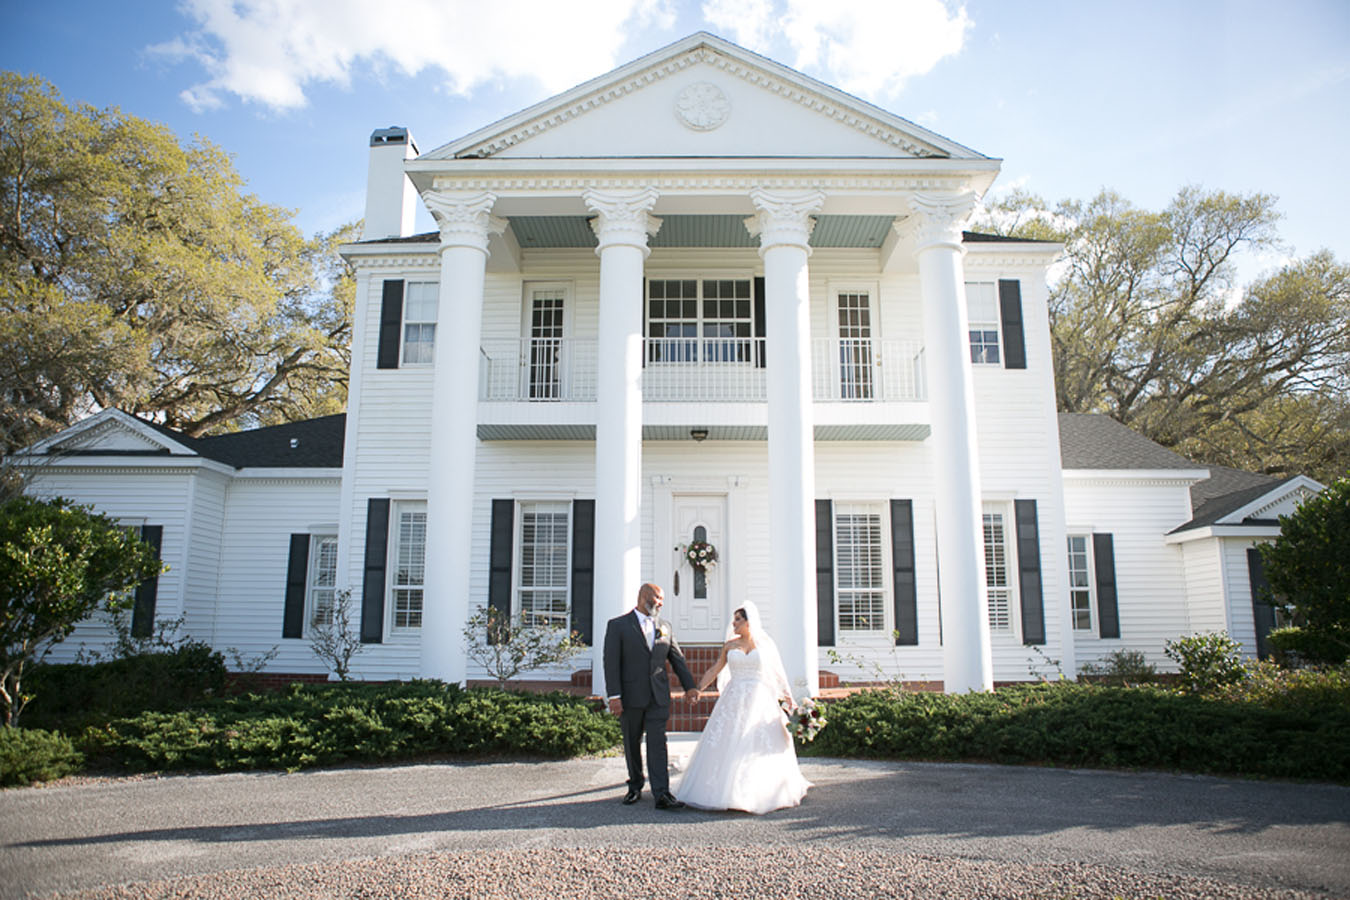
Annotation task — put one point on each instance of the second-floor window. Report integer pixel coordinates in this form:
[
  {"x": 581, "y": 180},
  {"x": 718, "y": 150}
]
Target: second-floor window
[
  {"x": 982, "y": 306},
  {"x": 419, "y": 322},
  {"x": 691, "y": 320}
]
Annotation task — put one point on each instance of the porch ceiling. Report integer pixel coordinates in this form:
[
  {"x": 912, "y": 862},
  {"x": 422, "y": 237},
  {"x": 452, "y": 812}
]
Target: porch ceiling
[{"x": 553, "y": 232}]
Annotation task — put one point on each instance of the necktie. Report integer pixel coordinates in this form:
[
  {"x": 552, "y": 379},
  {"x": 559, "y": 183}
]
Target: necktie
[{"x": 649, "y": 630}]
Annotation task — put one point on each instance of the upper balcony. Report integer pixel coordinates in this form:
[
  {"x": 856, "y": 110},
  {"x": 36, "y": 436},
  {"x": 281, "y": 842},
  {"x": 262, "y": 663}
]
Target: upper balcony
[{"x": 546, "y": 388}]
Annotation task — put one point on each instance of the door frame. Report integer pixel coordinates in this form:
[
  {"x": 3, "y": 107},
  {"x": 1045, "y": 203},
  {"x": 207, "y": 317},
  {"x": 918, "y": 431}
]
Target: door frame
[{"x": 659, "y": 558}]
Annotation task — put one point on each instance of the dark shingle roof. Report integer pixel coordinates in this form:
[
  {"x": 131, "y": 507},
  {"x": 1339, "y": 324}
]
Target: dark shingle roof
[
  {"x": 318, "y": 444},
  {"x": 1225, "y": 491},
  {"x": 426, "y": 237},
  {"x": 1090, "y": 441},
  {"x": 979, "y": 237}
]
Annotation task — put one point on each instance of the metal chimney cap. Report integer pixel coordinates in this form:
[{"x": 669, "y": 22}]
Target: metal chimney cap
[{"x": 394, "y": 134}]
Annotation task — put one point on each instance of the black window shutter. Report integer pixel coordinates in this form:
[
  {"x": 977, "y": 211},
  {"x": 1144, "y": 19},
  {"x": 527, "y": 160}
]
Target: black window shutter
[
  {"x": 373, "y": 583},
  {"x": 147, "y": 592},
  {"x": 1029, "y": 572},
  {"x": 499, "y": 557},
  {"x": 825, "y": 573},
  {"x": 391, "y": 324},
  {"x": 583, "y": 567},
  {"x": 902, "y": 573},
  {"x": 1104, "y": 560},
  {"x": 297, "y": 576},
  {"x": 1010, "y": 310},
  {"x": 760, "y": 355},
  {"x": 1263, "y": 614}
]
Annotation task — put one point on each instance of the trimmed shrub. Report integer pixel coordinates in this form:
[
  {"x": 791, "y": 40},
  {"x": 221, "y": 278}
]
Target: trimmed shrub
[
  {"x": 29, "y": 755},
  {"x": 72, "y": 695},
  {"x": 1120, "y": 667},
  {"x": 1207, "y": 661},
  {"x": 317, "y": 725},
  {"x": 1089, "y": 725},
  {"x": 1276, "y": 687}
]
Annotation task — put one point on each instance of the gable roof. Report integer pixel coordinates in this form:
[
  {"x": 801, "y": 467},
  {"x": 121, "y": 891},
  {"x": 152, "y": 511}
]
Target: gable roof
[
  {"x": 1094, "y": 441},
  {"x": 703, "y": 47},
  {"x": 313, "y": 443}
]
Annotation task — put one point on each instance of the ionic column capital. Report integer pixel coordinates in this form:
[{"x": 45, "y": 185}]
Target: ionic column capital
[
  {"x": 783, "y": 219},
  {"x": 940, "y": 219},
  {"x": 465, "y": 220},
  {"x": 622, "y": 219}
]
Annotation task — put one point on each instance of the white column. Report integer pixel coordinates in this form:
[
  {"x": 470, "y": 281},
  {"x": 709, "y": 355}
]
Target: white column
[
  {"x": 966, "y": 653},
  {"x": 465, "y": 222},
  {"x": 622, "y": 224},
  {"x": 784, "y": 224}
]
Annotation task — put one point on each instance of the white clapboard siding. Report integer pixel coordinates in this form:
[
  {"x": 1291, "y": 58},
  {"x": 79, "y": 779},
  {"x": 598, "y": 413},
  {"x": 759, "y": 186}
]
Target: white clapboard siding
[
  {"x": 1204, "y": 578},
  {"x": 1237, "y": 590}
]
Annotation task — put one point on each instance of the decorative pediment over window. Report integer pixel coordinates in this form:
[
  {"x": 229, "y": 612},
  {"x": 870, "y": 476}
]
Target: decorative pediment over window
[{"x": 703, "y": 97}]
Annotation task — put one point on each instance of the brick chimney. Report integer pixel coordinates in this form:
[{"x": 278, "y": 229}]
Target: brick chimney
[{"x": 391, "y": 200}]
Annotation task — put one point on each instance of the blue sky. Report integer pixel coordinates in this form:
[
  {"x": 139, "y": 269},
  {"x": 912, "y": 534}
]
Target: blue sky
[{"x": 1143, "y": 97}]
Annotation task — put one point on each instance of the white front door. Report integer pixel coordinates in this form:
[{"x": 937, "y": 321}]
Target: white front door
[{"x": 696, "y": 601}]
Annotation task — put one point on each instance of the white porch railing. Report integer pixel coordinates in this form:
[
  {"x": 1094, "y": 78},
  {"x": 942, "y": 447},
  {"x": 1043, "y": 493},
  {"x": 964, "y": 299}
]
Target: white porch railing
[{"x": 702, "y": 370}]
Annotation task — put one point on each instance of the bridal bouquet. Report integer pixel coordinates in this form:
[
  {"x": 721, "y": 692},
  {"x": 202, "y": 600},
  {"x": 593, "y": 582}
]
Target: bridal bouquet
[{"x": 804, "y": 720}]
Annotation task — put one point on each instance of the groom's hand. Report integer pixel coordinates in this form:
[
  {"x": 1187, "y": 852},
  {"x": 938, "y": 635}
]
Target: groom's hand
[
  {"x": 692, "y": 694},
  {"x": 615, "y": 705}
]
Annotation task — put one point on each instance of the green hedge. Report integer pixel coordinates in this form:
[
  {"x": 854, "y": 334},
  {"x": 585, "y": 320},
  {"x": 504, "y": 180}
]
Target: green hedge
[
  {"x": 317, "y": 725},
  {"x": 1087, "y": 725},
  {"x": 70, "y": 696},
  {"x": 28, "y": 755}
]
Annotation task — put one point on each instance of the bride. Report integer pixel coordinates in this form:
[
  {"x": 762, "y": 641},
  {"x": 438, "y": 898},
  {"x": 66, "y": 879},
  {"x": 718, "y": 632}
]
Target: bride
[{"x": 745, "y": 759}]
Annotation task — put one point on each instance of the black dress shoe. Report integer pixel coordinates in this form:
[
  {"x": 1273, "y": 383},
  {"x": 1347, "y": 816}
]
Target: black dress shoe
[
  {"x": 632, "y": 796},
  {"x": 668, "y": 801}
]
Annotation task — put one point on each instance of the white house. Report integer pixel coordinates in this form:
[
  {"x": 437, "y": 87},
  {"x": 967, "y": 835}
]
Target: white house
[{"x": 702, "y": 297}]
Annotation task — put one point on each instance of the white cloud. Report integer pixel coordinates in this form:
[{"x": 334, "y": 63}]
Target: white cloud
[
  {"x": 869, "y": 47},
  {"x": 269, "y": 51}
]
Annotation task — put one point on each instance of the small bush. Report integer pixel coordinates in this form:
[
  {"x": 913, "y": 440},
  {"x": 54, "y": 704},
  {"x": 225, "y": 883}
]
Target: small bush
[
  {"x": 1272, "y": 686},
  {"x": 1089, "y": 725},
  {"x": 1207, "y": 661},
  {"x": 316, "y": 725},
  {"x": 29, "y": 755},
  {"x": 1120, "y": 667},
  {"x": 71, "y": 696}
]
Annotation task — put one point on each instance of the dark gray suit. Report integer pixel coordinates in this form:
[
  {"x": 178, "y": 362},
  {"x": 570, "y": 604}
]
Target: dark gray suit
[{"x": 638, "y": 676}]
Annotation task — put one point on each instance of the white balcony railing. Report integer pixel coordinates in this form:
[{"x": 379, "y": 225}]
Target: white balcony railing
[{"x": 702, "y": 370}]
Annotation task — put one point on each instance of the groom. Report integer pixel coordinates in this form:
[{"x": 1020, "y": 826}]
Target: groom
[{"x": 637, "y": 647}]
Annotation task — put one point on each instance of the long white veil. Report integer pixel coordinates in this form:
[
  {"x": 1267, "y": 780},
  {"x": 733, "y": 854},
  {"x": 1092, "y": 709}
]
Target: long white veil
[{"x": 768, "y": 651}]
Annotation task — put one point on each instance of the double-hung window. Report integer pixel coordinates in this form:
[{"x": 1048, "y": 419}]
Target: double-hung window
[
  {"x": 542, "y": 586},
  {"x": 982, "y": 308},
  {"x": 408, "y": 579},
  {"x": 860, "y": 568},
  {"x": 998, "y": 570},
  {"x": 691, "y": 320},
  {"x": 1080, "y": 581},
  {"x": 420, "y": 300},
  {"x": 321, "y": 583}
]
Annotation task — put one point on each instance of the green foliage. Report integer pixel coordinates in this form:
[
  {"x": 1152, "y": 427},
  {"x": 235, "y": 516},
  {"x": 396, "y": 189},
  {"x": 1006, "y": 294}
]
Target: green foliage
[
  {"x": 29, "y": 755},
  {"x": 316, "y": 725},
  {"x": 1277, "y": 687},
  {"x": 507, "y": 646},
  {"x": 138, "y": 273},
  {"x": 1119, "y": 667},
  {"x": 1308, "y": 567},
  {"x": 73, "y": 695},
  {"x": 1088, "y": 725},
  {"x": 1207, "y": 661},
  {"x": 58, "y": 563},
  {"x": 1145, "y": 328}
]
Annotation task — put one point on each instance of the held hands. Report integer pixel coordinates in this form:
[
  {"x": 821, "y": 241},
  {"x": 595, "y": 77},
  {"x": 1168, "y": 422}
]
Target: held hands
[
  {"x": 692, "y": 694},
  {"x": 615, "y": 705}
]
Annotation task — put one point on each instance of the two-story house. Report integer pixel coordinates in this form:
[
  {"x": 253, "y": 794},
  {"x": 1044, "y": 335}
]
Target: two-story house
[{"x": 703, "y": 297}]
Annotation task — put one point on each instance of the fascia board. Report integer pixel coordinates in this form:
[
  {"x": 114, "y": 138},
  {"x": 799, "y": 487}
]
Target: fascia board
[
  {"x": 1221, "y": 531},
  {"x": 96, "y": 461},
  {"x": 401, "y": 248},
  {"x": 777, "y": 165},
  {"x": 1178, "y": 475},
  {"x": 267, "y": 472},
  {"x": 126, "y": 420}
]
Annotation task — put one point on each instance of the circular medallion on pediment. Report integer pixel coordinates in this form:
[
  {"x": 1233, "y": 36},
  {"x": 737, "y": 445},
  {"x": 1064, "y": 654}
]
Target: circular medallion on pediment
[{"x": 702, "y": 106}]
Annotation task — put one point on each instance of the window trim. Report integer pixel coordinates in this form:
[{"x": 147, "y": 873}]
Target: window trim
[
  {"x": 1086, "y": 538},
  {"x": 880, "y": 508},
  {"x": 699, "y": 340},
  {"x": 312, "y": 586},
  {"x": 403, "y": 361},
  {"x": 518, "y": 548},
  {"x": 397, "y": 509},
  {"x": 997, "y": 327},
  {"x": 1010, "y": 567}
]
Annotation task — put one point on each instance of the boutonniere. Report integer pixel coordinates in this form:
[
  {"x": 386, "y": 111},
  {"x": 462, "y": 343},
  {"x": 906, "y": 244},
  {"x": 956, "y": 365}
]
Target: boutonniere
[{"x": 662, "y": 631}]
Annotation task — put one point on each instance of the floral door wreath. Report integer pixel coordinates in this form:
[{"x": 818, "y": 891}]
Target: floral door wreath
[{"x": 699, "y": 554}]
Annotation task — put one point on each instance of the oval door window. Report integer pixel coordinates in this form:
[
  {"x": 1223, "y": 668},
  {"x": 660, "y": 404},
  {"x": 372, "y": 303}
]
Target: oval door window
[{"x": 700, "y": 576}]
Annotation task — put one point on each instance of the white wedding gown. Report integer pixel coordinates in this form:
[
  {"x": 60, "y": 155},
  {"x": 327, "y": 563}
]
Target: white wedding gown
[{"x": 745, "y": 759}]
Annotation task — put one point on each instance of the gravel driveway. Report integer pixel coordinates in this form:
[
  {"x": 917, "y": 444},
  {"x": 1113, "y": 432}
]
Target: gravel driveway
[{"x": 557, "y": 830}]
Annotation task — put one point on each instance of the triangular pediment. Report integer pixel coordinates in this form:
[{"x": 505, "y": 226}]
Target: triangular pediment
[
  {"x": 1281, "y": 500},
  {"x": 703, "y": 97},
  {"x": 112, "y": 432}
]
